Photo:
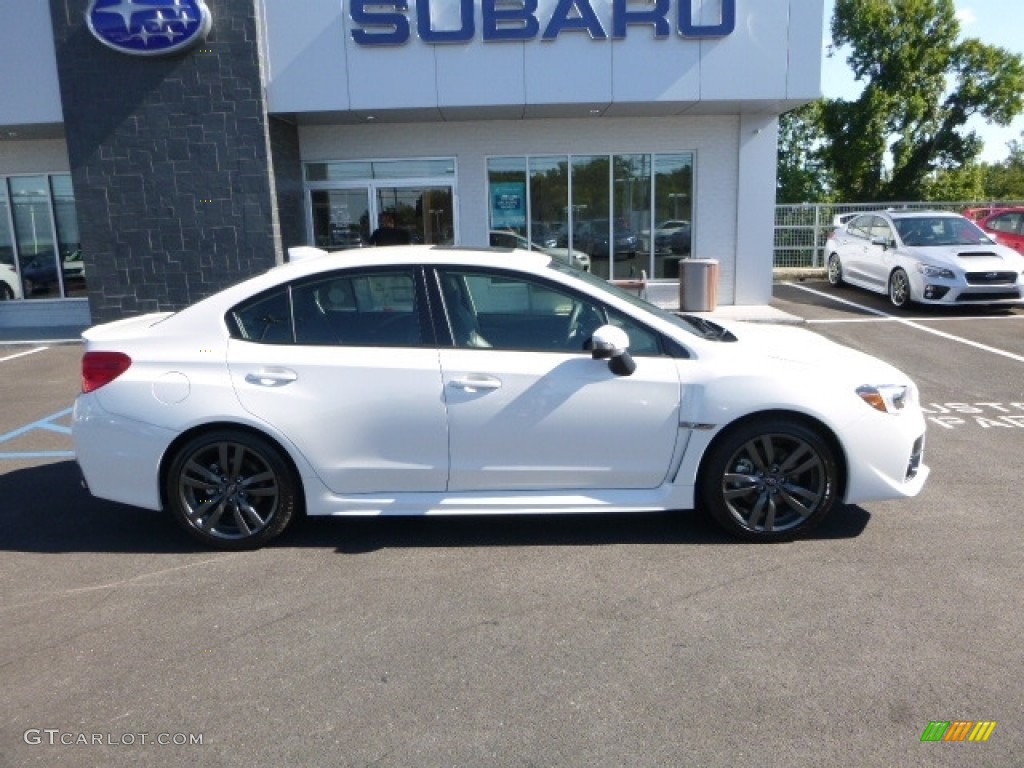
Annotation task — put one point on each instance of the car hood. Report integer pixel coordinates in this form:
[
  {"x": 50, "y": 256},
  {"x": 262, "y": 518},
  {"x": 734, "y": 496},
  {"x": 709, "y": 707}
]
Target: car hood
[
  {"x": 773, "y": 345},
  {"x": 969, "y": 258}
]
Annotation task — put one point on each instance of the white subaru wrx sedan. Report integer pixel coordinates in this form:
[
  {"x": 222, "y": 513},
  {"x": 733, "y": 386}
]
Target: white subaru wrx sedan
[
  {"x": 426, "y": 380},
  {"x": 926, "y": 257}
]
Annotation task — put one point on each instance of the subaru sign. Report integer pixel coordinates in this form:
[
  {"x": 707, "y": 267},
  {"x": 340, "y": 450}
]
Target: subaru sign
[
  {"x": 148, "y": 27},
  {"x": 387, "y": 22}
]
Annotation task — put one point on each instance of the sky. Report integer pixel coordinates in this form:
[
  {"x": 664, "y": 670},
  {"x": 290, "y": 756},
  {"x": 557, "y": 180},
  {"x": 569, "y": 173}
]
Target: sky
[{"x": 994, "y": 22}]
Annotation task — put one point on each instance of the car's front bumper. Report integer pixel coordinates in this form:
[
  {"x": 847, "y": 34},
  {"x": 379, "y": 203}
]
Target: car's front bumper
[
  {"x": 936, "y": 290},
  {"x": 885, "y": 457}
]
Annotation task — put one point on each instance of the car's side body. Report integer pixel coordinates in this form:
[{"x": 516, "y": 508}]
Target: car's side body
[{"x": 432, "y": 425}]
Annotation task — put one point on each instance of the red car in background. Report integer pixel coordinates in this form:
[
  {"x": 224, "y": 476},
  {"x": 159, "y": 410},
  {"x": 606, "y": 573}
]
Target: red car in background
[{"x": 1006, "y": 225}]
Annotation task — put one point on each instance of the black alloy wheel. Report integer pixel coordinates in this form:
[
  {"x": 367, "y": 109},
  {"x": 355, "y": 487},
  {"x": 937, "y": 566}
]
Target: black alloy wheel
[
  {"x": 231, "y": 489},
  {"x": 769, "y": 480}
]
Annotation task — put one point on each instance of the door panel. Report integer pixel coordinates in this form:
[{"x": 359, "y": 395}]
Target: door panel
[
  {"x": 558, "y": 421},
  {"x": 367, "y": 419},
  {"x": 345, "y": 365},
  {"x": 879, "y": 257}
]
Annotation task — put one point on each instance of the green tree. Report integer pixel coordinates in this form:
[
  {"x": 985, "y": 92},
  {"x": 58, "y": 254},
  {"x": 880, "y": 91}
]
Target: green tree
[
  {"x": 921, "y": 85},
  {"x": 1005, "y": 180},
  {"x": 802, "y": 176},
  {"x": 964, "y": 183}
]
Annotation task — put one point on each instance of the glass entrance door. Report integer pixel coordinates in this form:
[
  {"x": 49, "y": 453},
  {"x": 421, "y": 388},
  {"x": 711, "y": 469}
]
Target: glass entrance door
[
  {"x": 341, "y": 218},
  {"x": 425, "y": 213},
  {"x": 346, "y": 218}
]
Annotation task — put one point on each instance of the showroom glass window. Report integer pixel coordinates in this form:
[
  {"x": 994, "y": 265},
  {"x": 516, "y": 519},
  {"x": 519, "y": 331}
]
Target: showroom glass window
[
  {"x": 39, "y": 235},
  {"x": 631, "y": 214}
]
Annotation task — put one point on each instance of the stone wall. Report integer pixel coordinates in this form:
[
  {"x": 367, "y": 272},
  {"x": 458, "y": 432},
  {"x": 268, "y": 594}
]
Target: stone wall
[{"x": 170, "y": 156}]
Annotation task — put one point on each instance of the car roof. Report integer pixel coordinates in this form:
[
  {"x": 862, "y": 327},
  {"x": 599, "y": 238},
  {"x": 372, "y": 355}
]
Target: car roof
[
  {"x": 402, "y": 255},
  {"x": 315, "y": 261},
  {"x": 911, "y": 214},
  {"x": 999, "y": 211}
]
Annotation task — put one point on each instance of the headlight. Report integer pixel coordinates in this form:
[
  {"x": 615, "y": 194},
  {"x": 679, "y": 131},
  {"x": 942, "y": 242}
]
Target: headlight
[
  {"x": 929, "y": 271},
  {"x": 888, "y": 398}
]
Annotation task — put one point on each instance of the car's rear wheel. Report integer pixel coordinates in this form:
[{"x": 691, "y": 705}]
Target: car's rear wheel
[
  {"x": 899, "y": 288},
  {"x": 6, "y": 292},
  {"x": 835, "y": 270},
  {"x": 231, "y": 489},
  {"x": 769, "y": 480}
]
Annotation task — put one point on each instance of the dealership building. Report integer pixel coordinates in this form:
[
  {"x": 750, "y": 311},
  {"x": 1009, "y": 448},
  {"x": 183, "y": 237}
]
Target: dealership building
[{"x": 155, "y": 151}]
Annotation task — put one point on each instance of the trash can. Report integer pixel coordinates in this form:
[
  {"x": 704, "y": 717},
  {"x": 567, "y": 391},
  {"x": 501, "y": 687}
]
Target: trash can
[{"x": 698, "y": 285}]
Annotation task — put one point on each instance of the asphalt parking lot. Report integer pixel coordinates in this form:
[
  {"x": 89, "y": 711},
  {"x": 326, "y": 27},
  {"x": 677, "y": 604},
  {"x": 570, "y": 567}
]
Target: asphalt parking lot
[{"x": 646, "y": 640}]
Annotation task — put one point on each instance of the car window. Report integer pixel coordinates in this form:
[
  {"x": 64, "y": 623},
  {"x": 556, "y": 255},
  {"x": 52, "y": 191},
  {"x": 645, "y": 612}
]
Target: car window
[
  {"x": 860, "y": 226},
  {"x": 362, "y": 310},
  {"x": 1008, "y": 222},
  {"x": 880, "y": 228},
  {"x": 939, "y": 231},
  {"x": 265, "y": 319},
  {"x": 490, "y": 310},
  {"x": 378, "y": 310}
]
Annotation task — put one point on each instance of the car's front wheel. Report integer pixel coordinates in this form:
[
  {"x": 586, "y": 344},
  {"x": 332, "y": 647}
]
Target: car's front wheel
[
  {"x": 6, "y": 292},
  {"x": 899, "y": 288},
  {"x": 231, "y": 489},
  {"x": 835, "y": 270},
  {"x": 769, "y": 480}
]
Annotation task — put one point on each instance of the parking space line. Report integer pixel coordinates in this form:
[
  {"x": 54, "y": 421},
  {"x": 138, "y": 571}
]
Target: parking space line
[
  {"x": 911, "y": 324},
  {"x": 23, "y": 354},
  {"x": 46, "y": 424}
]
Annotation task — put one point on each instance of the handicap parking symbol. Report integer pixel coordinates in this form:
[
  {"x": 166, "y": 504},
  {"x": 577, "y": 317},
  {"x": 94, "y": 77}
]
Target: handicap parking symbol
[{"x": 50, "y": 424}]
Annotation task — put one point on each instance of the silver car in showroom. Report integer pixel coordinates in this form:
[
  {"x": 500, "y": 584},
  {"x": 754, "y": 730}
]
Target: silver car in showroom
[{"x": 925, "y": 257}]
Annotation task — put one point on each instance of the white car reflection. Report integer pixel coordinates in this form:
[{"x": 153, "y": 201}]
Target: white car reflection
[{"x": 504, "y": 239}]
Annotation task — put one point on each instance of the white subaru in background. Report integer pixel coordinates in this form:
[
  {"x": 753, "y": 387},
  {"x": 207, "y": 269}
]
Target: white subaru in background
[
  {"x": 428, "y": 380},
  {"x": 926, "y": 257}
]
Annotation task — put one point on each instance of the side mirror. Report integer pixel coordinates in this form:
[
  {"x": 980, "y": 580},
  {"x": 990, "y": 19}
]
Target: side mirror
[{"x": 612, "y": 344}]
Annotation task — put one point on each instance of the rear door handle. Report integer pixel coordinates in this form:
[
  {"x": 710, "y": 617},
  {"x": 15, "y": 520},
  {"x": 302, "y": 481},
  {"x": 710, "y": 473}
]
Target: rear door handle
[
  {"x": 272, "y": 377},
  {"x": 476, "y": 382}
]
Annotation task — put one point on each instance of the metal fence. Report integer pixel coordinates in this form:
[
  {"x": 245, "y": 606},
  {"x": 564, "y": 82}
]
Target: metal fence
[{"x": 801, "y": 230}]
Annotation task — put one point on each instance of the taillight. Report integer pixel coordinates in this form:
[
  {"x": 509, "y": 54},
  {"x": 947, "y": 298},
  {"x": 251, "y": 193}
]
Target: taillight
[{"x": 99, "y": 368}]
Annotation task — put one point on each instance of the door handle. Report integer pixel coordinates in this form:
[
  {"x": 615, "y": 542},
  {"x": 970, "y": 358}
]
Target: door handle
[
  {"x": 272, "y": 377},
  {"x": 474, "y": 383}
]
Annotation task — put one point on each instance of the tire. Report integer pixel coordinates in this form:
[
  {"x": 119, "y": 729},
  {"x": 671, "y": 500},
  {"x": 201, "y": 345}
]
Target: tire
[
  {"x": 835, "y": 270},
  {"x": 899, "y": 289},
  {"x": 769, "y": 480},
  {"x": 231, "y": 489},
  {"x": 6, "y": 292}
]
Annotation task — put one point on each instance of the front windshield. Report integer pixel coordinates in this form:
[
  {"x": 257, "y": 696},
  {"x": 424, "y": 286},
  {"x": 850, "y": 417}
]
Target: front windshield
[
  {"x": 925, "y": 231},
  {"x": 694, "y": 325}
]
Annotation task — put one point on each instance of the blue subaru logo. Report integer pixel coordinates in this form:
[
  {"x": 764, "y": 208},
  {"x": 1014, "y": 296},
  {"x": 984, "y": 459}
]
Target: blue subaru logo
[{"x": 148, "y": 27}]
